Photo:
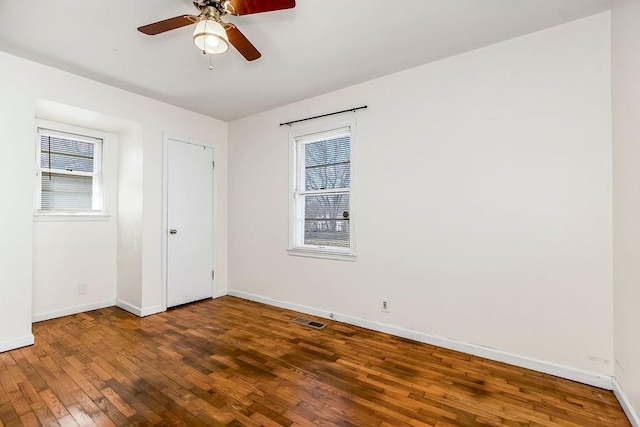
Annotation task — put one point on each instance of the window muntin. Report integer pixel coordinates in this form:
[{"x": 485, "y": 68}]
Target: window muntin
[
  {"x": 70, "y": 173},
  {"x": 322, "y": 192}
]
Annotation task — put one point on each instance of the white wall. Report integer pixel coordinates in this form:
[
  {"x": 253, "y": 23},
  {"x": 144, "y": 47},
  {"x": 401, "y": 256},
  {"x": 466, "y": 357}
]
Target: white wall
[
  {"x": 23, "y": 84},
  {"x": 16, "y": 209},
  {"x": 483, "y": 200},
  {"x": 626, "y": 191},
  {"x": 129, "y": 259},
  {"x": 68, "y": 253}
]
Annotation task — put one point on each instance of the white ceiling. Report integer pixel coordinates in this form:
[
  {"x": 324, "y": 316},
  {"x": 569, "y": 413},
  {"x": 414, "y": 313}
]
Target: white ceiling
[{"x": 318, "y": 47}]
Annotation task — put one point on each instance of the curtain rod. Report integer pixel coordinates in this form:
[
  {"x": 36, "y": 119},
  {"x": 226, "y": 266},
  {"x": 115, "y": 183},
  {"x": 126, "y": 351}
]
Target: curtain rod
[{"x": 324, "y": 115}]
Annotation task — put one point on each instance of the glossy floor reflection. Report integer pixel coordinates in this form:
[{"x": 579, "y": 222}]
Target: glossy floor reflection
[{"x": 234, "y": 362}]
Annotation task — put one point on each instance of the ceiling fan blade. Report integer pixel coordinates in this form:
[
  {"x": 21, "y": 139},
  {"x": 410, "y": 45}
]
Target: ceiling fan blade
[
  {"x": 240, "y": 42},
  {"x": 246, "y": 7},
  {"x": 168, "y": 24}
]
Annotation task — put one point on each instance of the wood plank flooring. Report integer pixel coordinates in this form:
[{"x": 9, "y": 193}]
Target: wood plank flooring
[{"x": 234, "y": 362}]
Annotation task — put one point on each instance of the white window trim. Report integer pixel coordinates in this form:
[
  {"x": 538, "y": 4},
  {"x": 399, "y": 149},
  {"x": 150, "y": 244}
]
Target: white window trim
[
  {"x": 333, "y": 253},
  {"x": 102, "y": 215}
]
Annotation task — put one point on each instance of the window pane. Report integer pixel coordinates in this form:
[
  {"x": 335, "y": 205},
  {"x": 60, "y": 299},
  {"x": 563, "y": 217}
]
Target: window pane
[
  {"x": 66, "y": 192},
  {"x": 66, "y": 154},
  {"x": 328, "y": 177},
  {"x": 69, "y": 163},
  {"x": 327, "y": 164},
  {"x": 327, "y": 220},
  {"x": 327, "y": 151}
]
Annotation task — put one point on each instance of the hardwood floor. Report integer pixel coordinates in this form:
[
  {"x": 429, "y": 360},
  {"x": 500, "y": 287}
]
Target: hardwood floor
[{"x": 235, "y": 362}]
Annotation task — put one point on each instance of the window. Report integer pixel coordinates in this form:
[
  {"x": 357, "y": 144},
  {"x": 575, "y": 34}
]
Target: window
[
  {"x": 69, "y": 173},
  {"x": 322, "y": 193}
]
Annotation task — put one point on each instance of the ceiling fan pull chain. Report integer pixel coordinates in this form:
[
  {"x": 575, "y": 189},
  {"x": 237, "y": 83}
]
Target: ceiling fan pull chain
[{"x": 210, "y": 62}]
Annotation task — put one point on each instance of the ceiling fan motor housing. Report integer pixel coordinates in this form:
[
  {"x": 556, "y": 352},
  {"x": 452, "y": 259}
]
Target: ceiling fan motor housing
[{"x": 220, "y": 6}]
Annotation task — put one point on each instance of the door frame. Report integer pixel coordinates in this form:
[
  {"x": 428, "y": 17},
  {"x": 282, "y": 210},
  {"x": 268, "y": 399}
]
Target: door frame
[{"x": 165, "y": 212}]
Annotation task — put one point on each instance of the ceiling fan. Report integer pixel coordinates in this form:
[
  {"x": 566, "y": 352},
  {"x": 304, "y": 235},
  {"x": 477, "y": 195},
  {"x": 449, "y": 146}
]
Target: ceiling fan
[{"x": 212, "y": 34}]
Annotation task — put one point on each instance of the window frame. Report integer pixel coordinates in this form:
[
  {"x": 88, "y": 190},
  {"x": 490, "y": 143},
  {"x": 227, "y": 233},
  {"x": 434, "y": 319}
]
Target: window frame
[
  {"x": 296, "y": 230},
  {"x": 99, "y": 189}
]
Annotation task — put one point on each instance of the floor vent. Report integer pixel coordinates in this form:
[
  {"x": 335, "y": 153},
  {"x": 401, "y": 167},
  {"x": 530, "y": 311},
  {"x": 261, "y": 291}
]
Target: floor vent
[{"x": 309, "y": 323}]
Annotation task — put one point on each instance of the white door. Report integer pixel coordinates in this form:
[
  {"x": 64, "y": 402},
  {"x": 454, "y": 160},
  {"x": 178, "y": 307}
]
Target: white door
[{"x": 190, "y": 223}]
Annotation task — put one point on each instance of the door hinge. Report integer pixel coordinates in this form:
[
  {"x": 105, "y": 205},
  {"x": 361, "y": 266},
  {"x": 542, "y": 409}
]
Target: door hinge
[
  {"x": 213, "y": 275},
  {"x": 213, "y": 164}
]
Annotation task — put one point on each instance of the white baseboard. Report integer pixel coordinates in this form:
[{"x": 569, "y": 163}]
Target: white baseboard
[
  {"x": 627, "y": 407},
  {"x": 585, "y": 377},
  {"x": 38, "y": 317},
  {"x": 138, "y": 311},
  {"x": 14, "y": 343},
  {"x": 218, "y": 294},
  {"x": 133, "y": 309},
  {"x": 148, "y": 311}
]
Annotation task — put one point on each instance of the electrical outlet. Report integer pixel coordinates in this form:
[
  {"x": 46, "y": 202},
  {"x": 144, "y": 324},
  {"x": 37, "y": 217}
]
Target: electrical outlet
[
  {"x": 82, "y": 288},
  {"x": 384, "y": 305}
]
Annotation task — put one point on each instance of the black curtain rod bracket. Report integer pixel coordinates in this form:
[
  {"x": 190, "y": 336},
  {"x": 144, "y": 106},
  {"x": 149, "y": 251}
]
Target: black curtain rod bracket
[{"x": 350, "y": 110}]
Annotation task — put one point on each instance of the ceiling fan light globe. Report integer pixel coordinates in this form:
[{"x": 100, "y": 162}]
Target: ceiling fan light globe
[
  {"x": 210, "y": 37},
  {"x": 212, "y": 41}
]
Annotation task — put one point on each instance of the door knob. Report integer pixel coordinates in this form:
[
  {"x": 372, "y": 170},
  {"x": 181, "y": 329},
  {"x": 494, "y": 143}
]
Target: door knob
[{"x": 173, "y": 231}]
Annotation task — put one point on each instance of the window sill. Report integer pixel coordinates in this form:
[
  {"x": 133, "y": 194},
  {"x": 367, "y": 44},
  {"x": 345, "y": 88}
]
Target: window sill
[
  {"x": 309, "y": 253},
  {"x": 68, "y": 217}
]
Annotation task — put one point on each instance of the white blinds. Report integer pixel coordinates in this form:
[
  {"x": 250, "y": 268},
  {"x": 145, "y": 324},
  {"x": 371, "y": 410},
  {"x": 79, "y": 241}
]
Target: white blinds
[{"x": 70, "y": 172}]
